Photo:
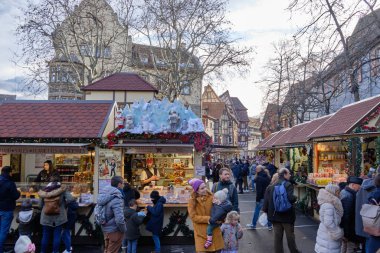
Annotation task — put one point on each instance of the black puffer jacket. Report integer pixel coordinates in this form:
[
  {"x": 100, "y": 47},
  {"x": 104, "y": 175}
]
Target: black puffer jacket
[
  {"x": 133, "y": 224},
  {"x": 219, "y": 212},
  {"x": 268, "y": 207},
  {"x": 262, "y": 181},
  {"x": 348, "y": 198},
  {"x": 8, "y": 194}
]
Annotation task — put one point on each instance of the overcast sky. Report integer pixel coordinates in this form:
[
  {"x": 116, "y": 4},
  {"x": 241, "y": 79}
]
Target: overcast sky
[{"x": 257, "y": 22}]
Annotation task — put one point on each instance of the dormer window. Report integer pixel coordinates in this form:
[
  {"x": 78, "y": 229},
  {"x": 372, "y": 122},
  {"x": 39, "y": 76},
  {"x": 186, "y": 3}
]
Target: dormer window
[{"x": 186, "y": 88}]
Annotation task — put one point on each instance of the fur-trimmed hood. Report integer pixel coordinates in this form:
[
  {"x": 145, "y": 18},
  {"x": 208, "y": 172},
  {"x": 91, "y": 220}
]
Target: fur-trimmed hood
[
  {"x": 326, "y": 197},
  {"x": 53, "y": 193}
]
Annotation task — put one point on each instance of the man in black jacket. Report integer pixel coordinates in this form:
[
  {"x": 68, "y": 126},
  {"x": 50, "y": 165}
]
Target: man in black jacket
[
  {"x": 8, "y": 196},
  {"x": 262, "y": 181},
  {"x": 282, "y": 221},
  {"x": 348, "y": 198},
  {"x": 224, "y": 175}
]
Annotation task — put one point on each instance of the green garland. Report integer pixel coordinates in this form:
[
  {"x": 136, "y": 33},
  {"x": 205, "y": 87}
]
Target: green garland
[
  {"x": 355, "y": 166},
  {"x": 377, "y": 151},
  {"x": 178, "y": 219}
]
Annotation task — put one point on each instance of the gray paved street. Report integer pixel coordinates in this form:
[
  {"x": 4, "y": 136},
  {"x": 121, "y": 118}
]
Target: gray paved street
[{"x": 260, "y": 240}]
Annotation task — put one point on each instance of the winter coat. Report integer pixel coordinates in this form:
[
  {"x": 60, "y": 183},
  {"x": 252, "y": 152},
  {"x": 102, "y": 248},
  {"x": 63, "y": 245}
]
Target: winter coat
[
  {"x": 219, "y": 212},
  {"x": 374, "y": 241},
  {"x": 361, "y": 198},
  {"x": 133, "y": 221},
  {"x": 329, "y": 233},
  {"x": 231, "y": 235},
  {"x": 27, "y": 221},
  {"x": 61, "y": 218},
  {"x": 232, "y": 193},
  {"x": 8, "y": 194},
  {"x": 237, "y": 171},
  {"x": 272, "y": 169},
  {"x": 348, "y": 198},
  {"x": 268, "y": 207},
  {"x": 113, "y": 199},
  {"x": 262, "y": 181},
  {"x": 156, "y": 220},
  {"x": 245, "y": 169},
  {"x": 44, "y": 176},
  {"x": 199, "y": 209}
]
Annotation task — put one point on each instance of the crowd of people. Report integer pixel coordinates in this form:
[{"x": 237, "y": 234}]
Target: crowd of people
[{"x": 213, "y": 209}]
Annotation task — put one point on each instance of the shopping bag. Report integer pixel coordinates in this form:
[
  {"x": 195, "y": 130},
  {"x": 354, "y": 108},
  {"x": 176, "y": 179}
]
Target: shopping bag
[{"x": 263, "y": 220}]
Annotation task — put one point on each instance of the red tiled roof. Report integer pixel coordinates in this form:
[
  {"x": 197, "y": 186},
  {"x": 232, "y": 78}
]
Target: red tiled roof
[
  {"x": 263, "y": 142},
  {"x": 347, "y": 118},
  {"x": 54, "y": 119},
  {"x": 278, "y": 137},
  {"x": 121, "y": 82},
  {"x": 290, "y": 134},
  {"x": 302, "y": 135},
  {"x": 275, "y": 136}
]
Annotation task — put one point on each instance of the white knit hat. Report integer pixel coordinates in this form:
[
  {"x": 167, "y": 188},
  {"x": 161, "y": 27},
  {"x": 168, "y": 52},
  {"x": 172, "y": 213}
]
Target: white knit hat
[
  {"x": 221, "y": 195},
  {"x": 24, "y": 245}
]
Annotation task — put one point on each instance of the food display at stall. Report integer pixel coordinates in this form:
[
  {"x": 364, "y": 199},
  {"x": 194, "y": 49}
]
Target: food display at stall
[
  {"x": 74, "y": 168},
  {"x": 173, "y": 169},
  {"x": 173, "y": 195}
]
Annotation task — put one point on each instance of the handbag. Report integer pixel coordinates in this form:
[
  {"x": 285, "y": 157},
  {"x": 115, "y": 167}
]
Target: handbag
[{"x": 371, "y": 218}]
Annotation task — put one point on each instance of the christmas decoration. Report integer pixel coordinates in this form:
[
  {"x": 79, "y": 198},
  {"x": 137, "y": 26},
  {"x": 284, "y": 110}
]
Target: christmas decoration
[
  {"x": 200, "y": 140},
  {"x": 178, "y": 219}
]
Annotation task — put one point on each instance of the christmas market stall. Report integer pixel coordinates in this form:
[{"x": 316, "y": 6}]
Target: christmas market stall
[
  {"x": 162, "y": 144},
  {"x": 69, "y": 134},
  {"x": 345, "y": 144}
]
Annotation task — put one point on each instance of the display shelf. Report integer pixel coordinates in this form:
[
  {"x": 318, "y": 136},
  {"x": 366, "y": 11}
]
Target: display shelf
[
  {"x": 66, "y": 175},
  {"x": 67, "y": 164},
  {"x": 327, "y": 160}
]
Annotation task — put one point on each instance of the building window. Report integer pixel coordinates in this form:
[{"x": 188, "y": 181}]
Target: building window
[
  {"x": 229, "y": 139},
  {"x": 107, "y": 52},
  {"x": 144, "y": 59},
  {"x": 186, "y": 88},
  {"x": 85, "y": 50}
]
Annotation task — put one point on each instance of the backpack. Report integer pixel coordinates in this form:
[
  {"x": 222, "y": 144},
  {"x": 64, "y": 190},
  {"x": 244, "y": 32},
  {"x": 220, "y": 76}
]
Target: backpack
[
  {"x": 100, "y": 214},
  {"x": 280, "y": 198},
  {"x": 371, "y": 218},
  {"x": 52, "y": 205}
]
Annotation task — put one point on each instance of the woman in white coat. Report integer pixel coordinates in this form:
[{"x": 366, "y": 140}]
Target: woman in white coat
[{"x": 329, "y": 235}]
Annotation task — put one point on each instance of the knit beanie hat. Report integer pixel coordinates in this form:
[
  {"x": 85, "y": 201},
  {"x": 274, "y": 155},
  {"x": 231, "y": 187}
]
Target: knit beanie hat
[
  {"x": 195, "y": 183},
  {"x": 221, "y": 195},
  {"x": 24, "y": 245},
  {"x": 155, "y": 195}
]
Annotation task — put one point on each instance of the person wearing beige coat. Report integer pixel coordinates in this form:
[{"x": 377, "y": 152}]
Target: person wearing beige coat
[{"x": 199, "y": 209}]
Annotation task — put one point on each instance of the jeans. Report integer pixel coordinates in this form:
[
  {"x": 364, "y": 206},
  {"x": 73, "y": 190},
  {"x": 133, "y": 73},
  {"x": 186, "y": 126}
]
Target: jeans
[
  {"x": 157, "y": 243},
  {"x": 258, "y": 207},
  {"x": 253, "y": 183},
  {"x": 46, "y": 233},
  {"x": 279, "y": 229},
  {"x": 210, "y": 228},
  {"x": 132, "y": 246},
  {"x": 373, "y": 244},
  {"x": 66, "y": 238},
  {"x": 6, "y": 218}
]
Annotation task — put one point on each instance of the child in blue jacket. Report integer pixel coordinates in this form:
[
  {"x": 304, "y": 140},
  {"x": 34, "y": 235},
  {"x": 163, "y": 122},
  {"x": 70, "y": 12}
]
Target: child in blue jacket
[{"x": 156, "y": 213}]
